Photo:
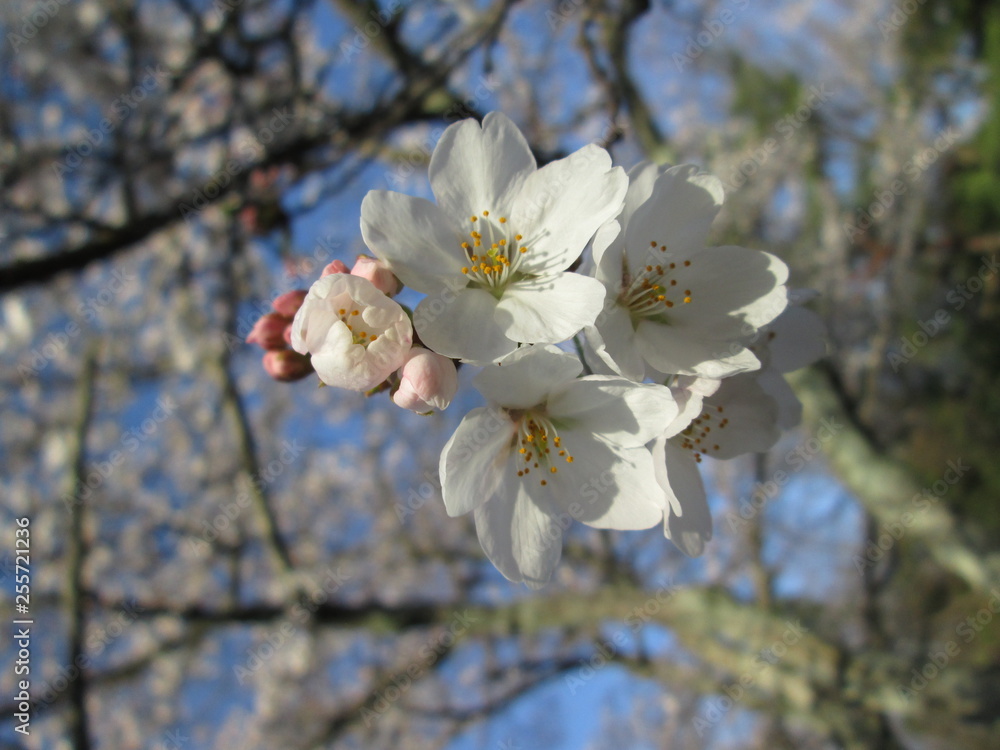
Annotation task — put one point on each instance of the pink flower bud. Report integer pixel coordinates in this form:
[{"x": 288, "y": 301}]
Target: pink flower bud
[
  {"x": 377, "y": 273},
  {"x": 428, "y": 381},
  {"x": 287, "y": 366},
  {"x": 269, "y": 331},
  {"x": 337, "y": 266},
  {"x": 289, "y": 303}
]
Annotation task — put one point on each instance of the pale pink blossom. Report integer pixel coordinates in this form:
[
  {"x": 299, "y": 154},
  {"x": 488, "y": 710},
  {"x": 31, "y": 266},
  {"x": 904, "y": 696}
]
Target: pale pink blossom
[
  {"x": 337, "y": 266},
  {"x": 356, "y": 335},
  {"x": 428, "y": 381},
  {"x": 377, "y": 273}
]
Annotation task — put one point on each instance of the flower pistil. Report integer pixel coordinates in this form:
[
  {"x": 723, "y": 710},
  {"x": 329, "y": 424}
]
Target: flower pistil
[
  {"x": 538, "y": 438},
  {"x": 493, "y": 254},
  {"x": 654, "y": 288}
]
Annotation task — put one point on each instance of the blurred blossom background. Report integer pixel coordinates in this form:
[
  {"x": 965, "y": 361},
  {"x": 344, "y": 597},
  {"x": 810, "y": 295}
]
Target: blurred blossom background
[{"x": 219, "y": 560}]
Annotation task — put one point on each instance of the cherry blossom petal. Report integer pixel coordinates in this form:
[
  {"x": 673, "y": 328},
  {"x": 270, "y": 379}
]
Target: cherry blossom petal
[
  {"x": 607, "y": 486},
  {"x": 475, "y": 460},
  {"x": 678, "y": 213},
  {"x": 687, "y": 518},
  {"x": 613, "y": 340},
  {"x": 563, "y": 204},
  {"x": 615, "y": 409},
  {"x": 671, "y": 349},
  {"x": 480, "y": 168},
  {"x": 462, "y": 325},
  {"x": 520, "y": 534},
  {"x": 413, "y": 237},
  {"x": 525, "y": 378},
  {"x": 550, "y": 309}
]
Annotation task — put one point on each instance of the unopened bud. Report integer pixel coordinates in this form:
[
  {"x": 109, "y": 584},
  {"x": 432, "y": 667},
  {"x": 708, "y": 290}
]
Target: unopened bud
[
  {"x": 289, "y": 303},
  {"x": 337, "y": 266},
  {"x": 378, "y": 274},
  {"x": 269, "y": 331},
  {"x": 286, "y": 365},
  {"x": 428, "y": 381}
]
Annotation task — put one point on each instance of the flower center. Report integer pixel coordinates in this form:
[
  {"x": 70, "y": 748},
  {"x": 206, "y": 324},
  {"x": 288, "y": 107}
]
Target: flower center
[
  {"x": 695, "y": 436},
  {"x": 540, "y": 446},
  {"x": 360, "y": 332},
  {"x": 493, "y": 254},
  {"x": 655, "y": 288}
]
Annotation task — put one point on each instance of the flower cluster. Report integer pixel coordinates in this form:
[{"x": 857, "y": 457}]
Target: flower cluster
[{"x": 684, "y": 345}]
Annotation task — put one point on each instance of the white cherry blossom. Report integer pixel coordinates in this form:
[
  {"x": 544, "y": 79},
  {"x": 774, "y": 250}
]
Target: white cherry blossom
[
  {"x": 492, "y": 254},
  {"x": 673, "y": 305},
  {"x": 717, "y": 419},
  {"x": 552, "y": 447}
]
